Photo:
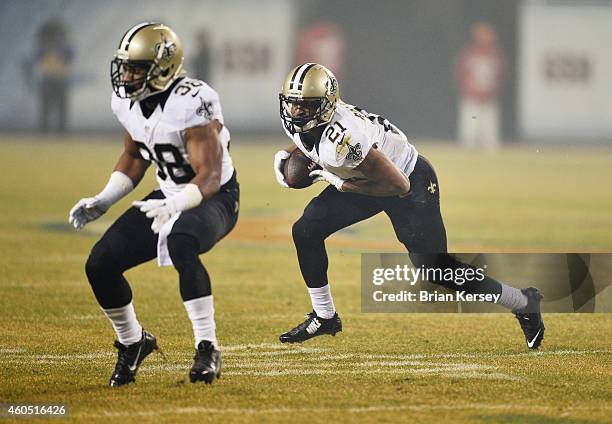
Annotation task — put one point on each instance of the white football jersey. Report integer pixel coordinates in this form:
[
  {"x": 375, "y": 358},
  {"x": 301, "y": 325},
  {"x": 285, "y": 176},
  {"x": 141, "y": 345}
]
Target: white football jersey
[
  {"x": 350, "y": 135},
  {"x": 160, "y": 138}
]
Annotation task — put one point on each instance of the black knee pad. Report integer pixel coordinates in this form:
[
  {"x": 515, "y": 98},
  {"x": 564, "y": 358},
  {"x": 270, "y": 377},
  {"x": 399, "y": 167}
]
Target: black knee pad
[
  {"x": 101, "y": 262},
  {"x": 299, "y": 231},
  {"x": 104, "y": 272},
  {"x": 183, "y": 248},
  {"x": 309, "y": 228},
  {"x": 305, "y": 232}
]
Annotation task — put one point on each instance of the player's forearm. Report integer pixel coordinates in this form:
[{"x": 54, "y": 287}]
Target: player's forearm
[
  {"x": 377, "y": 189},
  {"x": 208, "y": 182},
  {"x": 116, "y": 188},
  {"x": 133, "y": 167},
  {"x": 206, "y": 156}
]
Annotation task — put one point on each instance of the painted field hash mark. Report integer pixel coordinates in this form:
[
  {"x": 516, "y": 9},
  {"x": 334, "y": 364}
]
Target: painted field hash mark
[
  {"x": 274, "y": 360},
  {"x": 260, "y": 361}
]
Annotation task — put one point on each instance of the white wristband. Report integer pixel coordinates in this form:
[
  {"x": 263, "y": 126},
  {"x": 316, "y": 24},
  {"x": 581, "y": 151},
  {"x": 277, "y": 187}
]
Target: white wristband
[
  {"x": 117, "y": 187},
  {"x": 188, "y": 198}
]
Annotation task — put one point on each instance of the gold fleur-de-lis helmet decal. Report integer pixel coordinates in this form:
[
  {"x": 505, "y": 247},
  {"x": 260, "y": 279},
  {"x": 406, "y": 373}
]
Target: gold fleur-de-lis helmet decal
[
  {"x": 332, "y": 86},
  {"x": 165, "y": 50}
]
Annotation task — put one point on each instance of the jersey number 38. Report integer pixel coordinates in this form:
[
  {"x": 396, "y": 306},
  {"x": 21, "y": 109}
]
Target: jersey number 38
[{"x": 169, "y": 161}]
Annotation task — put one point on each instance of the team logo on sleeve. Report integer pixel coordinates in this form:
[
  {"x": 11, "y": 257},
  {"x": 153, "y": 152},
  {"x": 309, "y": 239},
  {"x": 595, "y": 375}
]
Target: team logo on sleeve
[
  {"x": 354, "y": 153},
  {"x": 205, "y": 109},
  {"x": 341, "y": 148}
]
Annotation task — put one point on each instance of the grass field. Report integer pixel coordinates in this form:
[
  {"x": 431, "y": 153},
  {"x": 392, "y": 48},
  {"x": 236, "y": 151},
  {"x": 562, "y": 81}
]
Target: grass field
[{"x": 56, "y": 345}]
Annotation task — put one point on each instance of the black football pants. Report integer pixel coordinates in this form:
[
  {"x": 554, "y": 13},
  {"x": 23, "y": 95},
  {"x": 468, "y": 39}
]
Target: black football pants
[
  {"x": 130, "y": 242},
  {"x": 416, "y": 219}
]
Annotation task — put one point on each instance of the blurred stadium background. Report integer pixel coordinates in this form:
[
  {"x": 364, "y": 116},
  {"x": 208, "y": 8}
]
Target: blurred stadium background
[
  {"x": 546, "y": 188},
  {"x": 398, "y": 58}
]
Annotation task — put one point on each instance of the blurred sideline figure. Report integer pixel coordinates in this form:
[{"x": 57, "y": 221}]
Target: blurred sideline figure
[
  {"x": 176, "y": 122},
  {"x": 371, "y": 168},
  {"x": 479, "y": 72},
  {"x": 201, "y": 61},
  {"x": 53, "y": 59},
  {"x": 322, "y": 42}
]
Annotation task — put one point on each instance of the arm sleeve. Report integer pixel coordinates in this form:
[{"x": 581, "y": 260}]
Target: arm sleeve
[{"x": 203, "y": 108}]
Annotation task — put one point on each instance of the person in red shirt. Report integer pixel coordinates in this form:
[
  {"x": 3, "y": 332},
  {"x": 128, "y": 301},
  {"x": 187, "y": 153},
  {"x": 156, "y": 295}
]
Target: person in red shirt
[{"x": 479, "y": 72}]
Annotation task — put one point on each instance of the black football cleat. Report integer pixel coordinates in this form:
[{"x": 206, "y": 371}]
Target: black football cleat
[
  {"x": 530, "y": 318},
  {"x": 206, "y": 363},
  {"x": 130, "y": 357},
  {"x": 313, "y": 326}
]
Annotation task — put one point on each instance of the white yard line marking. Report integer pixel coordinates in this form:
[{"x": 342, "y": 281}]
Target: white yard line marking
[
  {"x": 486, "y": 355},
  {"x": 275, "y": 352},
  {"x": 3, "y": 351},
  {"x": 240, "y": 347},
  {"x": 413, "y": 363},
  {"x": 273, "y": 360},
  {"x": 370, "y": 364},
  {"x": 483, "y": 376},
  {"x": 434, "y": 370},
  {"x": 393, "y": 359},
  {"x": 51, "y": 358},
  {"x": 248, "y": 366}
]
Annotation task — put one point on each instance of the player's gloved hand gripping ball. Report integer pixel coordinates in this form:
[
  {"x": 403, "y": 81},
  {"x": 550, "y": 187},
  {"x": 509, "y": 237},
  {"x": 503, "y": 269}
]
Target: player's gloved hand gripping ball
[
  {"x": 333, "y": 179},
  {"x": 279, "y": 161},
  {"x": 293, "y": 169}
]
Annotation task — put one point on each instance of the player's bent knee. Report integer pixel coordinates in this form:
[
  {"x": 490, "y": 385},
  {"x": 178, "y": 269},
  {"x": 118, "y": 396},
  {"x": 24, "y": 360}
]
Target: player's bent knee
[
  {"x": 306, "y": 231},
  {"x": 100, "y": 262},
  {"x": 183, "y": 248}
]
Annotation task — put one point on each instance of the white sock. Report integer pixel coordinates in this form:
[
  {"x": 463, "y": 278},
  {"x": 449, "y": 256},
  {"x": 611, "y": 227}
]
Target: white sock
[
  {"x": 322, "y": 301},
  {"x": 512, "y": 298},
  {"x": 124, "y": 322},
  {"x": 201, "y": 312}
]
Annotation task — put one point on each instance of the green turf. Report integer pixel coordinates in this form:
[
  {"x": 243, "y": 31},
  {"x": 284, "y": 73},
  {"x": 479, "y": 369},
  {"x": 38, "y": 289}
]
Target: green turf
[{"x": 56, "y": 346}]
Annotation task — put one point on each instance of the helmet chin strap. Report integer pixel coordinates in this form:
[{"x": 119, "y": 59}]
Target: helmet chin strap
[
  {"x": 146, "y": 93},
  {"x": 143, "y": 95},
  {"x": 150, "y": 91}
]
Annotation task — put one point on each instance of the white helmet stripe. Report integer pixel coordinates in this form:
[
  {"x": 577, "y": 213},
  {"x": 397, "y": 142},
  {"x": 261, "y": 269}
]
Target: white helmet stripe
[
  {"x": 128, "y": 36},
  {"x": 298, "y": 76}
]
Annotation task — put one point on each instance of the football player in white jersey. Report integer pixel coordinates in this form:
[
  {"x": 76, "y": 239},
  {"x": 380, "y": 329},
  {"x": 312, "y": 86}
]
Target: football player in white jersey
[
  {"x": 175, "y": 122},
  {"x": 371, "y": 168}
]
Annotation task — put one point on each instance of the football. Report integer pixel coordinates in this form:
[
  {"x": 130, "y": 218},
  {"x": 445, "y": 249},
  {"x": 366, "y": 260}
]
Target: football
[{"x": 296, "y": 169}]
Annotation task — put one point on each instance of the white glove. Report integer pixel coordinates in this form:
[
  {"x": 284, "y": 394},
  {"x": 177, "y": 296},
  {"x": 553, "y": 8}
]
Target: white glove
[
  {"x": 86, "y": 210},
  {"x": 279, "y": 159},
  {"x": 161, "y": 210},
  {"x": 321, "y": 175},
  {"x": 90, "y": 208}
]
